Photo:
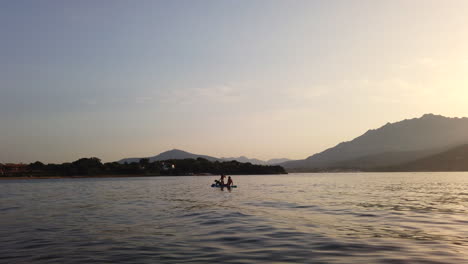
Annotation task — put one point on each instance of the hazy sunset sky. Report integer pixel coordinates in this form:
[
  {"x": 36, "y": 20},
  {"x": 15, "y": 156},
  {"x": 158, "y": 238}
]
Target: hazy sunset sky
[{"x": 265, "y": 79}]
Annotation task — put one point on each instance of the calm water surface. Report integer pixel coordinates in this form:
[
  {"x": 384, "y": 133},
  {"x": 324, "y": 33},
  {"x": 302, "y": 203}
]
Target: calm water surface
[{"x": 298, "y": 218}]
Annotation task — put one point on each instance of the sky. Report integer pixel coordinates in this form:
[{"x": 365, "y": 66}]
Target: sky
[{"x": 264, "y": 79}]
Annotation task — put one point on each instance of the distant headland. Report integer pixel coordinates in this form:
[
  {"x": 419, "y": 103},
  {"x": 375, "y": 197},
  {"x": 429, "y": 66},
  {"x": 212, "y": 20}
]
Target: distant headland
[{"x": 93, "y": 167}]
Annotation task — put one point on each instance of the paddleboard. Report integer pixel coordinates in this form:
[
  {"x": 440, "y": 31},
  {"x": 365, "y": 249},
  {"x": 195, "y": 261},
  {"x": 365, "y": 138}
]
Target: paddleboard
[{"x": 225, "y": 186}]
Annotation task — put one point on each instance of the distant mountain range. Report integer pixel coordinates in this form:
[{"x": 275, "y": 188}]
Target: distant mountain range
[
  {"x": 431, "y": 142},
  {"x": 390, "y": 145},
  {"x": 180, "y": 154}
]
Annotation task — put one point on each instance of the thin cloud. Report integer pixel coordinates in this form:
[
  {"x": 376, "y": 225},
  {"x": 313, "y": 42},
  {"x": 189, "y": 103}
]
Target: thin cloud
[
  {"x": 211, "y": 94},
  {"x": 307, "y": 93},
  {"x": 422, "y": 63},
  {"x": 90, "y": 101},
  {"x": 143, "y": 99},
  {"x": 221, "y": 93}
]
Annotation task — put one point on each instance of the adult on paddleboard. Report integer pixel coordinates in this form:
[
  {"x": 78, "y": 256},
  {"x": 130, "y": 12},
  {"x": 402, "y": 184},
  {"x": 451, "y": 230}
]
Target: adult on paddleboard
[
  {"x": 221, "y": 180},
  {"x": 229, "y": 182}
]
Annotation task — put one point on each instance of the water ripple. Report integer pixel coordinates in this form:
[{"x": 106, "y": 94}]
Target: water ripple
[{"x": 304, "y": 218}]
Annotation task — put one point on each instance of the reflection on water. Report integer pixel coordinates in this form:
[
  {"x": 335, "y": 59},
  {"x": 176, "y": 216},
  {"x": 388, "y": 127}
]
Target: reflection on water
[{"x": 302, "y": 218}]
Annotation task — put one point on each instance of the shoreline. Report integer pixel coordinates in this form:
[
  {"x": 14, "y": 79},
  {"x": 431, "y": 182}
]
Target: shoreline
[
  {"x": 113, "y": 176},
  {"x": 82, "y": 177}
]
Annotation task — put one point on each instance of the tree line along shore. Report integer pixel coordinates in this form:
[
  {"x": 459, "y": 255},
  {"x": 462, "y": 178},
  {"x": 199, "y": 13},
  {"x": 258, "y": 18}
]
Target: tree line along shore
[{"x": 90, "y": 167}]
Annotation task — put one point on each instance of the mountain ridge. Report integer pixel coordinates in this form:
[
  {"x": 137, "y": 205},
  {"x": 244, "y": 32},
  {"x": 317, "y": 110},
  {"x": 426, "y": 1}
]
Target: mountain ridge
[{"x": 422, "y": 136}]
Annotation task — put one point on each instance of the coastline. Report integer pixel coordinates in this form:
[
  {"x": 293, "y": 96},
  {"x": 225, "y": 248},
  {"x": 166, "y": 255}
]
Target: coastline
[
  {"x": 78, "y": 177},
  {"x": 103, "y": 176},
  {"x": 113, "y": 176}
]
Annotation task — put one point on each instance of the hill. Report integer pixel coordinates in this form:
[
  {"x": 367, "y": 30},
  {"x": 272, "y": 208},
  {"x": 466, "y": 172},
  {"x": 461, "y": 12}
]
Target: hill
[
  {"x": 245, "y": 160},
  {"x": 393, "y": 143},
  {"x": 171, "y": 154},
  {"x": 455, "y": 159},
  {"x": 276, "y": 161},
  {"x": 256, "y": 161}
]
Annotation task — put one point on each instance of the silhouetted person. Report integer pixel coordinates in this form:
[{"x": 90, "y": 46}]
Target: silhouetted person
[
  {"x": 229, "y": 182},
  {"x": 221, "y": 180}
]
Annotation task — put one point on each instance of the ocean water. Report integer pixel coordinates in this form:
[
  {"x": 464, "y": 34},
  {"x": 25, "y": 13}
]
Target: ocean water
[{"x": 295, "y": 218}]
